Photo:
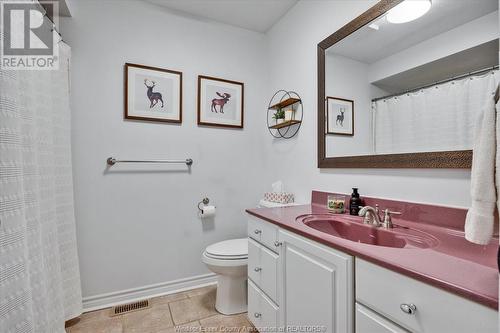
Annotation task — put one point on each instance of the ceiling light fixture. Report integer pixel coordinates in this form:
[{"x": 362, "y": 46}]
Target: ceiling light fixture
[{"x": 408, "y": 10}]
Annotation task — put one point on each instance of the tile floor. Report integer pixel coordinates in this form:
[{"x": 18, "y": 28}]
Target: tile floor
[{"x": 189, "y": 311}]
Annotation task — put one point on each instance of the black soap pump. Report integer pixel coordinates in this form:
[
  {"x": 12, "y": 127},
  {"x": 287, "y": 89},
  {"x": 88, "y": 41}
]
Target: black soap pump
[{"x": 355, "y": 202}]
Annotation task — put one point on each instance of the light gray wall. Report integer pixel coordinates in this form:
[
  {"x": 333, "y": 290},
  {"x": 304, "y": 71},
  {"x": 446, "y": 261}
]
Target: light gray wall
[
  {"x": 138, "y": 225},
  {"x": 308, "y": 23},
  {"x": 348, "y": 78}
]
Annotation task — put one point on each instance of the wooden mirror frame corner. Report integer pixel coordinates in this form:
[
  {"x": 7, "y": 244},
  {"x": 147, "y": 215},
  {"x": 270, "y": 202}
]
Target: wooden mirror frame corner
[{"x": 459, "y": 159}]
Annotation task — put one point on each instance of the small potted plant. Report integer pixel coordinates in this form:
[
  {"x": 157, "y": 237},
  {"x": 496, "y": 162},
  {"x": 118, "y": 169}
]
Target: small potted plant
[{"x": 279, "y": 115}]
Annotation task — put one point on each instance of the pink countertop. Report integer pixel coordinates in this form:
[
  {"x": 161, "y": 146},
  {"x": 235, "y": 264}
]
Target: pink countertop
[{"x": 452, "y": 263}]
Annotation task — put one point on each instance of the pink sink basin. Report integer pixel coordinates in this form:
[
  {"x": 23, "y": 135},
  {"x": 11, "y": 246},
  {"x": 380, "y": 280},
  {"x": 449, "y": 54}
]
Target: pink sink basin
[{"x": 398, "y": 237}]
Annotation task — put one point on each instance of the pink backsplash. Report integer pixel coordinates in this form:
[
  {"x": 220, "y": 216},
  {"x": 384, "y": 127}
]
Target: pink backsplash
[{"x": 447, "y": 217}]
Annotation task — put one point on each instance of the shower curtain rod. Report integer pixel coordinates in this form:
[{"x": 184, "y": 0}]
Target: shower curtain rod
[{"x": 475, "y": 73}]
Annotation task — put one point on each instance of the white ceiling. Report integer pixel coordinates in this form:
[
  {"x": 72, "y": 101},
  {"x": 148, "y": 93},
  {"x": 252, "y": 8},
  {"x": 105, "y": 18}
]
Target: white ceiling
[
  {"x": 368, "y": 45},
  {"x": 256, "y": 15}
]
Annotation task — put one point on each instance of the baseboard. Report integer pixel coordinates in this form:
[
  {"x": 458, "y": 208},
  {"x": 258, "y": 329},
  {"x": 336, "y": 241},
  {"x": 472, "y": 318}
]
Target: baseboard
[{"x": 102, "y": 301}]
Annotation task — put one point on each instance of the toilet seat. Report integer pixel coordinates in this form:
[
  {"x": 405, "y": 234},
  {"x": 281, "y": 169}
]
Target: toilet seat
[
  {"x": 224, "y": 262},
  {"x": 225, "y": 257},
  {"x": 233, "y": 249}
]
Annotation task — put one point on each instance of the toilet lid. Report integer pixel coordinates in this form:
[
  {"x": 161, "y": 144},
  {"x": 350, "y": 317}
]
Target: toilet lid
[{"x": 233, "y": 248}]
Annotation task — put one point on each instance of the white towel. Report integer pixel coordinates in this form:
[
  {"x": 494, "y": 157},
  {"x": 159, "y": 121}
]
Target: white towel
[
  {"x": 480, "y": 217},
  {"x": 497, "y": 163}
]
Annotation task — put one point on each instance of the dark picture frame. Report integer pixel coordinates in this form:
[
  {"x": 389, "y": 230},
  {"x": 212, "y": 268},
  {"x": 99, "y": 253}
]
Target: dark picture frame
[
  {"x": 328, "y": 120},
  {"x": 155, "y": 97},
  {"x": 220, "y": 100}
]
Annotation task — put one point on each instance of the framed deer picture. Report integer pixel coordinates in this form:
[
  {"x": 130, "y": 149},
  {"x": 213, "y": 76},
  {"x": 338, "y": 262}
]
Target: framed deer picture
[
  {"x": 153, "y": 94},
  {"x": 220, "y": 102},
  {"x": 339, "y": 116}
]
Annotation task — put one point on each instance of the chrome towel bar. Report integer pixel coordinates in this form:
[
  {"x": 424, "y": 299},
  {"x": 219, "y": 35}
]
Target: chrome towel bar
[{"x": 113, "y": 161}]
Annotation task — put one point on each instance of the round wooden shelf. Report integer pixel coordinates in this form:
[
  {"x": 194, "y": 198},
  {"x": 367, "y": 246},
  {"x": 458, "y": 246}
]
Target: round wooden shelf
[{"x": 280, "y": 100}]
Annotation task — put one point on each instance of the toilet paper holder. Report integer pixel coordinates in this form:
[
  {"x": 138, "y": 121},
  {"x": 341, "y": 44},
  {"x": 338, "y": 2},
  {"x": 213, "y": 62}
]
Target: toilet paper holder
[{"x": 205, "y": 202}]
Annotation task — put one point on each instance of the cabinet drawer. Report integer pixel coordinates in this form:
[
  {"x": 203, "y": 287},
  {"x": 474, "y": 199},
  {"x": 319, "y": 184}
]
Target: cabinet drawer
[
  {"x": 262, "y": 268},
  {"x": 368, "y": 321},
  {"x": 385, "y": 291},
  {"x": 263, "y": 232},
  {"x": 261, "y": 310}
]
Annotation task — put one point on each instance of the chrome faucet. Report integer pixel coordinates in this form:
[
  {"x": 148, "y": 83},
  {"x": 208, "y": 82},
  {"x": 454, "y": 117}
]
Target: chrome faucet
[
  {"x": 372, "y": 217},
  {"x": 387, "y": 218}
]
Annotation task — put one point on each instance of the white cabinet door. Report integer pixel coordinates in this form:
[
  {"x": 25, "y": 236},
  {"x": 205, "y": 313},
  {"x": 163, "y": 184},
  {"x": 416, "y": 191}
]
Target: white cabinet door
[
  {"x": 368, "y": 321},
  {"x": 316, "y": 286}
]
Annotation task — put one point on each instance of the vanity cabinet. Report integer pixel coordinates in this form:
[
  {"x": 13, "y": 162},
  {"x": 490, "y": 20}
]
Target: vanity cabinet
[
  {"x": 297, "y": 283},
  {"x": 416, "y": 306}
]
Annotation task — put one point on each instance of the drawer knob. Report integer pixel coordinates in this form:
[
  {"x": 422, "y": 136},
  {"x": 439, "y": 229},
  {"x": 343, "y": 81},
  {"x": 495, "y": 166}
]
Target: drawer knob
[
  {"x": 257, "y": 315},
  {"x": 408, "y": 308},
  {"x": 257, "y": 231},
  {"x": 277, "y": 244},
  {"x": 257, "y": 269}
]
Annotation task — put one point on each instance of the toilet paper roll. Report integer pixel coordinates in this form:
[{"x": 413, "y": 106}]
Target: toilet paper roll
[{"x": 208, "y": 211}]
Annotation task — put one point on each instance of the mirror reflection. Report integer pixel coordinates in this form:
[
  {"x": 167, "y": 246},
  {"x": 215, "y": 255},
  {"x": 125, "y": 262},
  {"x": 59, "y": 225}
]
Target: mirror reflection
[{"x": 413, "y": 80}]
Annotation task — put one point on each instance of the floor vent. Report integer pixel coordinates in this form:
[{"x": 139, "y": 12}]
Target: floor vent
[{"x": 130, "y": 307}]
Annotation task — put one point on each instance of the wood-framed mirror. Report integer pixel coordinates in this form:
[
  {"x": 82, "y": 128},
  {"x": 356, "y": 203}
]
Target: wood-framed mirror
[{"x": 414, "y": 88}]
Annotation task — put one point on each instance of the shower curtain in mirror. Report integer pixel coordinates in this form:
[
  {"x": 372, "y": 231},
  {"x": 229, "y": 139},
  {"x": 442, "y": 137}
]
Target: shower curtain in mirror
[
  {"x": 438, "y": 118},
  {"x": 39, "y": 274}
]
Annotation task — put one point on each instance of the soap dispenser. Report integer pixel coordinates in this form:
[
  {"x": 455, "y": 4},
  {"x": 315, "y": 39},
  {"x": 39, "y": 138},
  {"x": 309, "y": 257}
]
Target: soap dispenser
[{"x": 354, "y": 202}]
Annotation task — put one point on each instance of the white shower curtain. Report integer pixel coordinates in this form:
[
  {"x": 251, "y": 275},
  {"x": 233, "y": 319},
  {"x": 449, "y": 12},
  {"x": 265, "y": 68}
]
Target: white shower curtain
[
  {"x": 39, "y": 274},
  {"x": 439, "y": 118}
]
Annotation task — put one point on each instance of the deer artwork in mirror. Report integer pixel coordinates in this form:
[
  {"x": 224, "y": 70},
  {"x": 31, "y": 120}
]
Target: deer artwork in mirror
[
  {"x": 340, "y": 117},
  {"x": 154, "y": 97}
]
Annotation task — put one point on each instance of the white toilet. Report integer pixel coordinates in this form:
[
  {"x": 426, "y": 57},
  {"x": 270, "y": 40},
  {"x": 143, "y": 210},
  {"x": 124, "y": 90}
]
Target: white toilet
[{"x": 228, "y": 259}]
